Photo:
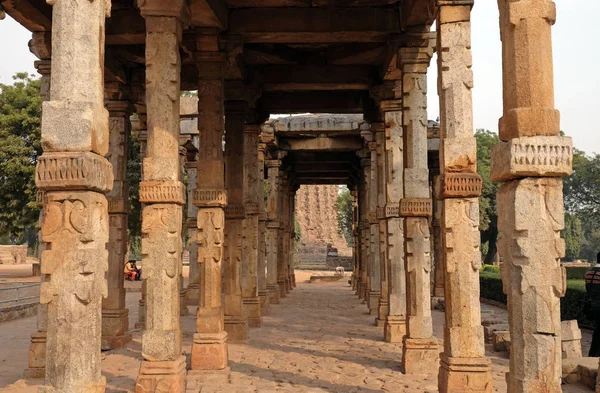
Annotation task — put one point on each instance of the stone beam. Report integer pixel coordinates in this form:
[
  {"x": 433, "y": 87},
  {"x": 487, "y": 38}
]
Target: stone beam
[
  {"x": 321, "y": 143},
  {"x": 209, "y": 13},
  {"x": 316, "y": 102},
  {"x": 310, "y": 77},
  {"x": 34, "y": 16},
  {"x": 305, "y": 25}
]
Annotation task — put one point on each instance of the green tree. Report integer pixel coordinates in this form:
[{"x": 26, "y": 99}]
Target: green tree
[
  {"x": 20, "y": 147},
  {"x": 574, "y": 236},
  {"x": 134, "y": 176},
  {"x": 343, "y": 206},
  {"x": 488, "y": 219}
]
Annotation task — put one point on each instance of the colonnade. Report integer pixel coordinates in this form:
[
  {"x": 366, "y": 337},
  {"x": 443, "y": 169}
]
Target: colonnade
[{"x": 237, "y": 234}]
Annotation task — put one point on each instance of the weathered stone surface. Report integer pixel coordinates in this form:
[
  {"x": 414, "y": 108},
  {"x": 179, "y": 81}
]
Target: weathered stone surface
[
  {"x": 162, "y": 192},
  {"x": 420, "y": 355},
  {"x": 13, "y": 254},
  {"x": 161, "y": 376},
  {"x": 458, "y": 185},
  {"x": 501, "y": 340},
  {"x": 531, "y": 217},
  {"x": 416, "y": 207},
  {"x": 541, "y": 156}
]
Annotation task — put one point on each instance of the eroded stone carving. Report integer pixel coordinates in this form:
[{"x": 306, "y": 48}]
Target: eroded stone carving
[
  {"x": 162, "y": 192},
  {"x": 73, "y": 170},
  {"x": 415, "y": 207},
  {"x": 459, "y": 185}
]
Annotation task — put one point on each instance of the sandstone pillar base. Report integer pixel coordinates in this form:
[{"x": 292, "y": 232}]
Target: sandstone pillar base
[
  {"x": 237, "y": 329},
  {"x": 420, "y": 355},
  {"x": 382, "y": 312},
  {"x": 273, "y": 294},
  {"x": 141, "y": 323},
  {"x": 37, "y": 357},
  {"x": 394, "y": 329},
  {"x": 459, "y": 375},
  {"x": 115, "y": 324},
  {"x": 209, "y": 351},
  {"x": 252, "y": 311},
  {"x": 265, "y": 307},
  {"x": 438, "y": 291},
  {"x": 183, "y": 310},
  {"x": 193, "y": 294},
  {"x": 288, "y": 284},
  {"x": 97, "y": 388},
  {"x": 282, "y": 288},
  {"x": 373, "y": 302},
  {"x": 294, "y": 280},
  {"x": 197, "y": 379},
  {"x": 165, "y": 376},
  {"x": 359, "y": 288}
]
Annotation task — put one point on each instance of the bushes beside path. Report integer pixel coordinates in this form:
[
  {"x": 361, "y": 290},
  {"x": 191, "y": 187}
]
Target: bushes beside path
[{"x": 571, "y": 305}]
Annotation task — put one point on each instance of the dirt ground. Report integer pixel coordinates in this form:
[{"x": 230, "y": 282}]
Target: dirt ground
[{"x": 319, "y": 339}]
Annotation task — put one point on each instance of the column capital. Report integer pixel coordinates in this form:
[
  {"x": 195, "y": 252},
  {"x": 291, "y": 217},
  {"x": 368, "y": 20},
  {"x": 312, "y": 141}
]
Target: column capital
[
  {"x": 159, "y": 8},
  {"x": 391, "y": 105},
  {"x": 41, "y": 44},
  {"x": 210, "y": 57},
  {"x": 252, "y": 129},
  {"x": 236, "y": 107},
  {"x": 416, "y": 207},
  {"x": 119, "y": 108},
  {"x": 417, "y": 59},
  {"x": 450, "y": 3},
  {"x": 458, "y": 185},
  {"x": 377, "y": 127},
  {"x": 273, "y": 163},
  {"x": 43, "y": 67}
]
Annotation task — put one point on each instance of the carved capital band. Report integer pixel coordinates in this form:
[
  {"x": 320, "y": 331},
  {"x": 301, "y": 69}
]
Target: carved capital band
[
  {"x": 537, "y": 156},
  {"x": 171, "y": 191},
  {"x": 273, "y": 163},
  {"x": 391, "y": 105},
  {"x": 118, "y": 206},
  {"x": 203, "y": 197},
  {"x": 372, "y": 218},
  {"x": 234, "y": 211},
  {"x": 73, "y": 171},
  {"x": 263, "y": 216},
  {"x": 416, "y": 207},
  {"x": 388, "y": 211},
  {"x": 251, "y": 208},
  {"x": 273, "y": 224},
  {"x": 459, "y": 185}
]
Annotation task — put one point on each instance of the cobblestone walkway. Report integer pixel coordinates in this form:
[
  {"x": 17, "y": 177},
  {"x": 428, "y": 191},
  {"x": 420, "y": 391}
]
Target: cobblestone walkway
[{"x": 319, "y": 339}]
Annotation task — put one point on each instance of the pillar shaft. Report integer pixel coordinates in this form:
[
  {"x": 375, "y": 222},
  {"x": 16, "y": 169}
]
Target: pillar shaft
[
  {"x": 261, "y": 266},
  {"x": 251, "y": 300},
  {"x": 374, "y": 256},
  {"x": 365, "y": 228},
  {"x": 463, "y": 362},
  {"x": 75, "y": 214},
  {"x": 193, "y": 288},
  {"x": 420, "y": 349},
  {"x": 273, "y": 223},
  {"x": 530, "y": 202},
  {"x": 284, "y": 234},
  {"x": 209, "y": 348},
  {"x": 163, "y": 195},
  {"x": 381, "y": 235},
  {"x": 236, "y": 322},
  {"x": 115, "y": 317}
]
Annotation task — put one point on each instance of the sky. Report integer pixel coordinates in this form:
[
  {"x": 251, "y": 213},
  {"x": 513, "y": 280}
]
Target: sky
[{"x": 576, "y": 61}]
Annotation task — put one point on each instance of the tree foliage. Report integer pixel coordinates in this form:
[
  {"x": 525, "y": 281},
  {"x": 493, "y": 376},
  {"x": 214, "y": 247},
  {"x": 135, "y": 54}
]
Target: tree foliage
[
  {"x": 343, "y": 206},
  {"x": 20, "y": 147},
  {"x": 488, "y": 219},
  {"x": 573, "y": 235}
]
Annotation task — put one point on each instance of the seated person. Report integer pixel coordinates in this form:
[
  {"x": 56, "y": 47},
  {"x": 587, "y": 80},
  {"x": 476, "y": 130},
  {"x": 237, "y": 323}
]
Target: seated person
[{"x": 131, "y": 271}]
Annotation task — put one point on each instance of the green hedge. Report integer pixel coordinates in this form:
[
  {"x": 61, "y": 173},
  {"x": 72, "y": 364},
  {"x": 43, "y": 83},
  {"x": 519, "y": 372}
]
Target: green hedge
[
  {"x": 576, "y": 273},
  {"x": 571, "y": 305}
]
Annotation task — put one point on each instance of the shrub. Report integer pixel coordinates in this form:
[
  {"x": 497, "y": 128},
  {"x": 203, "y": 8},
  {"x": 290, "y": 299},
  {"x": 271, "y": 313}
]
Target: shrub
[
  {"x": 576, "y": 273},
  {"x": 571, "y": 305},
  {"x": 491, "y": 268}
]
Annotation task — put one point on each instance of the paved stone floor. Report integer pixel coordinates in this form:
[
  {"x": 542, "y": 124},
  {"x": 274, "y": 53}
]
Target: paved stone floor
[{"x": 319, "y": 339}]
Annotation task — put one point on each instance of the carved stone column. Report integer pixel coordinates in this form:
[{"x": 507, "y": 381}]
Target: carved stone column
[
  {"x": 438, "y": 255},
  {"x": 292, "y": 275},
  {"x": 251, "y": 300},
  {"x": 395, "y": 322},
  {"x": 163, "y": 195},
  {"x": 261, "y": 266},
  {"x": 355, "y": 240},
  {"x": 420, "y": 349},
  {"x": 209, "y": 348},
  {"x": 193, "y": 288},
  {"x": 73, "y": 175},
  {"x": 115, "y": 317},
  {"x": 365, "y": 225},
  {"x": 143, "y": 138},
  {"x": 183, "y": 308},
  {"x": 236, "y": 322},
  {"x": 463, "y": 365},
  {"x": 40, "y": 45},
  {"x": 374, "y": 266},
  {"x": 531, "y": 159},
  {"x": 274, "y": 217},
  {"x": 284, "y": 234}
]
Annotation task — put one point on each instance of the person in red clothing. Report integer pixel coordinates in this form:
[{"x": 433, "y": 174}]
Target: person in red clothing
[
  {"x": 592, "y": 287},
  {"x": 132, "y": 272}
]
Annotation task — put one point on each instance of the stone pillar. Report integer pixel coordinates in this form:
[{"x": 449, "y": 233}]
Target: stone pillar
[
  {"x": 193, "y": 288},
  {"x": 463, "y": 365},
  {"x": 261, "y": 266},
  {"x": 183, "y": 308},
  {"x": 365, "y": 226},
  {"x": 420, "y": 349},
  {"x": 236, "y": 322},
  {"x": 438, "y": 255},
  {"x": 395, "y": 322},
  {"x": 73, "y": 175},
  {"x": 283, "y": 234},
  {"x": 115, "y": 317},
  {"x": 143, "y": 138},
  {"x": 374, "y": 266},
  {"x": 274, "y": 217},
  {"x": 163, "y": 194},
  {"x": 40, "y": 46},
  {"x": 209, "y": 347},
  {"x": 251, "y": 300},
  {"x": 292, "y": 275},
  {"x": 355, "y": 240},
  {"x": 378, "y": 130},
  {"x": 531, "y": 159}
]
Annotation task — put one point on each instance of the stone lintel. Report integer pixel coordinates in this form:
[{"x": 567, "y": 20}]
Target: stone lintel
[
  {"x": 58, "y": 171},
  {"x": 416, "y": 207},
  {"x": 234, "y": 211},
  {"x": 171, "y": 191},
  {"x": 391, "y": 105},
  {"x": 118, "y": 206},
  {"x": 251, "y": 208},
  {"x": 537, "y": 156},
  {"x": 204, "y": 197},
  {"x": 459, "y": 185},
  {"x": 449, "y": 3}
]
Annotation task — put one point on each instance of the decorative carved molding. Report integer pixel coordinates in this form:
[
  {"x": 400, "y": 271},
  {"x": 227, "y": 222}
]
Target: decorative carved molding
[
  {"x": 209, "y": 197},
  {"x": 73, "y": 171},
  {"x": 459, "y": 185},
  {"x": 538, "y": 156},
  {"x": 271, "y": 224},
  {"x": 162, "y": 192},
  {"x": 372, "y": 218},
  {"x": 39, "y": 198},
  {"x": 116, "y": 206},
  {"x": 416, "y": 207},
  {"x": 251, "y": 208},
  {"x": 388, "y": 211},
  {"x": 391, "y": 105},
  {"x": 234, "y": 211}
]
